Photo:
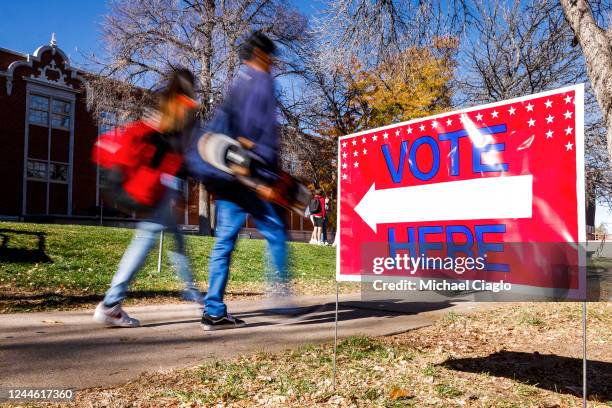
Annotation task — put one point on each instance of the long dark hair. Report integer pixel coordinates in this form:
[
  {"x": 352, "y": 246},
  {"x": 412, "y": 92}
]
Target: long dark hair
[{"x": 180, "y": 81}]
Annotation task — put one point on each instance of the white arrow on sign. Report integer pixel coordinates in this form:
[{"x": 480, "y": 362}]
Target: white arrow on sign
[{"x": 475, "y": 199}]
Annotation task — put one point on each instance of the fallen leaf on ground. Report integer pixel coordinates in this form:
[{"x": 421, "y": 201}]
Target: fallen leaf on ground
[{"x": 399, "y": 393}]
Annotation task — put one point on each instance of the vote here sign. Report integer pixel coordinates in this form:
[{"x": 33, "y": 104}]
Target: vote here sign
[{"x": 478, "y": 182}]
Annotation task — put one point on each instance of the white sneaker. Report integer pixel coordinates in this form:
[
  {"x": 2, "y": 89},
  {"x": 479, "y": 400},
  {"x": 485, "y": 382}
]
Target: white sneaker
[
  {"x": 312, "y": 241},
  {"x": 114, "y": 316}
]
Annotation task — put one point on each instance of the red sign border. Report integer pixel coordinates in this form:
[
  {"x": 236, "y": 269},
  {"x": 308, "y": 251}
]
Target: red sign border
[{"x": 579, "y": 151}]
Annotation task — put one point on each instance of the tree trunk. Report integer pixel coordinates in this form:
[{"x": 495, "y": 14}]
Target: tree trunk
[
  {"x": 591, "y": 208},
  {"x": 204, "y": 211},
  {"x": 208, "y": 25},
  {"x": 597, "y": 52}
]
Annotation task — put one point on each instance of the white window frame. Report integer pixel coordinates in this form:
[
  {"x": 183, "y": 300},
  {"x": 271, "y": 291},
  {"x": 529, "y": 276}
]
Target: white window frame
[
  {"x": 56, "y": 181},
  {"x": 52, "y": 93},
  {"x": 33, "y": 178},
  {"x": 61, "y": 114},
  {"x": 36, "y": 109},
  {"x": 49, "y": 111},
  {"x": 104, "y": 125}
]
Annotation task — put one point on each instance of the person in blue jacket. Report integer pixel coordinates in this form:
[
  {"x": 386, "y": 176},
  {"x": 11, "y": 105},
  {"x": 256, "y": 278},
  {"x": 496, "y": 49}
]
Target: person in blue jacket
[{"x": 249, "y": 111}]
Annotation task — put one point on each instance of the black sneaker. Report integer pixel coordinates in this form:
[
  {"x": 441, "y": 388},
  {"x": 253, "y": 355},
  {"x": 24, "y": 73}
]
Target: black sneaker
[{"x": 221, "y": 323}]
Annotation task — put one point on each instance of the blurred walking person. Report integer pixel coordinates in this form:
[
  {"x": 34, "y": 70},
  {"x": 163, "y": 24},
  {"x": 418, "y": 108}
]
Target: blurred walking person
[
  {"x": 248, "y": 113},
  {"x": 325, "y": 221},
  {"x": 152, "y": 151}
]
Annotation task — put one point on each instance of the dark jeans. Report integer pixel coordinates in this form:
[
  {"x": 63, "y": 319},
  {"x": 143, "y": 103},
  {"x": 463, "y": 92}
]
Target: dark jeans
[
  {"x": 324, "y": 230},
  {"x": 232, "y": 209}
]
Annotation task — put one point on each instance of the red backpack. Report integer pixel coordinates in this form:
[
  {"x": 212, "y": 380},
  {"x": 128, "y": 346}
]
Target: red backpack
[{"x": 133, "y": 168}]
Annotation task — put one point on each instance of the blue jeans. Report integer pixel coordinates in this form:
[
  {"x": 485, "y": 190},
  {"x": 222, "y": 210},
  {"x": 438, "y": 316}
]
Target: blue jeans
[
  {"x": 144, "y": 238},
  {"x": 231, "y": 216}
]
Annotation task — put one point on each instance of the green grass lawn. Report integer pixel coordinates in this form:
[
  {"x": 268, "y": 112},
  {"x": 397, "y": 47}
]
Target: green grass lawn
[{"x": 82, "y": 260}]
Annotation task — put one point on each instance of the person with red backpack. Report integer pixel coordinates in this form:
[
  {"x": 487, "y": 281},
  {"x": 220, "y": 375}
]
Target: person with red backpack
[
  {"x": 317, "y": 213},
  {"x": 141, "y": 163}
]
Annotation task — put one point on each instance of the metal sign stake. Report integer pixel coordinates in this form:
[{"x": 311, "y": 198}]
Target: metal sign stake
[
  {"x": 335, "y": 339},
  {"x": 159, "y": 256},
  {"x": 584, "y": 354}
]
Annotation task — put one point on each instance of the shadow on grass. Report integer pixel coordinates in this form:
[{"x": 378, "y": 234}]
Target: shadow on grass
[
  {"x": 547, "y": 371},
  {"x": 31, "y": 255}
]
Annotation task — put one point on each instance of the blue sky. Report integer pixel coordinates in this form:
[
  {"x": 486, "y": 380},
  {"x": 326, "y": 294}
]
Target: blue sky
[
  {"x": 603, "y": 215},
  {"x": 28, "y": 24}
]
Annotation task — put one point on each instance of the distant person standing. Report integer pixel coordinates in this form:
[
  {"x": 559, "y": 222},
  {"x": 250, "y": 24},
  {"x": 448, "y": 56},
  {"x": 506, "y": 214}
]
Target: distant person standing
[
  {"x": 308, "y": 214},
  {"x": 317, "y": 211},
  {"x": 325, "y": 220}
]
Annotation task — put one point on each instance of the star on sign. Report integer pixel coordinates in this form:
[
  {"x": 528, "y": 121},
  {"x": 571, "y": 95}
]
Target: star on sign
[
  {"x": 531, "y": 122},
  {"x": 549, "y": 118},
  {"x": 568, "y": 115},
  {"x": 397, "y": 132},
  {"x": 344, "y": 176},
  {"x": 356, "y": 164},
  {"x": 434, "y": 124},
  {"x": 479, "y": 117},
  {"x": 356, "y": 153},
  {"x": 548, "y": 103},
  {"x": 549, "y": 134},
  {"x": 344, "y": 165},
  {"x": 422, "y": 127},
  {"x": 385, "y": 135},
  {"x": 409, "y": 130},
  {"x": 495, "y": 114},
  {"x": 344, "y": 155},
  {"x": 343, "y": 144},
  {"x": 568, "y": 146},
  {"x": 363, "y": 139},
  {"x": 568, "y": 131},
  {"x": 374, "y": 138},
  {"x": 511, "y": 110},
  {"x": 365, "y": 151},
  {"x": 529, "y": 107},
  {"x": 449, "y": 122},
  {"x": 568, "y": 99},
  {"x": 354, "y": 142}
]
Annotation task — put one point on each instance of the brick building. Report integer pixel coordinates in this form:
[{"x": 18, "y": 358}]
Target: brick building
[{"x": 46, "y": 134}]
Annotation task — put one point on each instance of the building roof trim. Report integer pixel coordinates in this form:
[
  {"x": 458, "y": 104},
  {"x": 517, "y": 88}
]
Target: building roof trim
[
  {"x": 19, "y": 54},
  {"x": 54, "y": 50},
  {"x": 36, "y": 57},
  {"x": 51, "y": 84}
]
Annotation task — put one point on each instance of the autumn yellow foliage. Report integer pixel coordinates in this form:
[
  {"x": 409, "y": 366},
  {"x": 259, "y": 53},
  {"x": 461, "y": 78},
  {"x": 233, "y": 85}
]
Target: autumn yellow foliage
[
  {"x": 406, "y": 85},
  {"x": 414, "y": 84},
  {"x": 409, "y": 84}
]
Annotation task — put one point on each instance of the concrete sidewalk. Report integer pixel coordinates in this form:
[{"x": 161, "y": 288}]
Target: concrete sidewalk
[{"x": 69, "y": 350}]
